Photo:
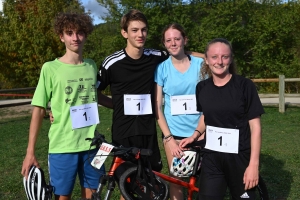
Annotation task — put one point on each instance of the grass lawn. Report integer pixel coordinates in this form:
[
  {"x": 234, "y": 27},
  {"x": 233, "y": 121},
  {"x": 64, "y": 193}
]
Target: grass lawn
[{"x": 280, "y": 154}]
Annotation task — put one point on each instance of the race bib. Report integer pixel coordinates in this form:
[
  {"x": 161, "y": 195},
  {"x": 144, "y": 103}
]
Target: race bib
[
  {"x": 84, "y": 115},
  {"x": 139, "y": 104},
  {"x": 183, "y": 105},
  {"x": 222, "y": 139},
  {"x": 101, "y": 155}
]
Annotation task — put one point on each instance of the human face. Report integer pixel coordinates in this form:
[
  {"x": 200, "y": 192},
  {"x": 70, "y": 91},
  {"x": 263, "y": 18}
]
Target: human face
[
  {"x": 219, "y": 58},
  {"x": 74, "y": 40},
  {"x": 174, "y": 42},
  {"x": 136, "y": 34}
]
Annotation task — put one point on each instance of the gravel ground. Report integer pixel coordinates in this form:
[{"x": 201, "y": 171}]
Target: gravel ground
[{"x": 16, "y": 111}]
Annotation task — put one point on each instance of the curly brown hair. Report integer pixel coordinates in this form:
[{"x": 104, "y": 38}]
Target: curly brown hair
[
  {"x": 73, "y": 21},
  {"x": 205, "y": 70}
]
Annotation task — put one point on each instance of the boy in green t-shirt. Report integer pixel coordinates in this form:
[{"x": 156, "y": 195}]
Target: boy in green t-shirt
[{"x": 70, "y": 84}]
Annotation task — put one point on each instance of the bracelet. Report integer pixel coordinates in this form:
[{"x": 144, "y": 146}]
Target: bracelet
[
  {"x": 199, "y": 135},
  {"x": 168, "y": 136},
  {"x": 167, "y": 140}
]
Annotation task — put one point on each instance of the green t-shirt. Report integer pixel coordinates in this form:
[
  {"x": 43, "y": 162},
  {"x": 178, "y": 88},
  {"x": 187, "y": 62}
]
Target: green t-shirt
[{"x": 66, "y": 85}]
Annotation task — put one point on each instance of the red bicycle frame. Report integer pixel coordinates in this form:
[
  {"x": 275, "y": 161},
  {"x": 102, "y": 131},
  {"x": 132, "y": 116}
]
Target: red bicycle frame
[{"x": 191, "y": 188}]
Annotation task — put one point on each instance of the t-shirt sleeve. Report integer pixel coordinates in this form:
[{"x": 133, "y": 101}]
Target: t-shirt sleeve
[
  {"x": 103, "y": 78},
  {"x": 254, "y": 107},
  {"x": 164, "y": 55},
  {"x": 199, "y": 87},
  {"x": 158, "y": 75},
  {"x": 43, "y": 91}
]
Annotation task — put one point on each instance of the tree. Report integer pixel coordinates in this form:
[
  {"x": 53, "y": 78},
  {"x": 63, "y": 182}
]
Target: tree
[{"x": 27, "y": 38}]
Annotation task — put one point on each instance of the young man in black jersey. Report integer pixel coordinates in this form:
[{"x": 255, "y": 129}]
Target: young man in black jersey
[{"x": 130, "y": 74}]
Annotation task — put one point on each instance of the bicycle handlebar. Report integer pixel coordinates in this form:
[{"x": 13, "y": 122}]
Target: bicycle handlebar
[{"x": 98, "y": 139}]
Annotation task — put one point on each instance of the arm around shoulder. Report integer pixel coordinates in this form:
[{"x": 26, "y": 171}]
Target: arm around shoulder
[
  {"x": 196, "y": 54},
  {"x": 104, "y": 100}
]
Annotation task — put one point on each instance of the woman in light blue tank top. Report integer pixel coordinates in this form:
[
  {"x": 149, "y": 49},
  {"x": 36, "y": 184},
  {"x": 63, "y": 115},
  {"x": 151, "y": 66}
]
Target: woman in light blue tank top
[{"x": 176, "y": 80}]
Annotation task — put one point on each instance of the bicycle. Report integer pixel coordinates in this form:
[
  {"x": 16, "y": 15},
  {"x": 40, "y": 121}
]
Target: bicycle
[
  {"x": 145, "y": 183},
  {"x": 137, "y": 182}
]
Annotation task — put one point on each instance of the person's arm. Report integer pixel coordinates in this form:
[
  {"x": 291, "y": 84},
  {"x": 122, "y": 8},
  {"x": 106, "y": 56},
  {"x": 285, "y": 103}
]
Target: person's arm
[
  {"x": 197, "y": 135},
  {"x": 104, "y": 100},
  {"x": 38, "y": 114},
  {"x": 196, "y": 54},
  {"x": 251, "y": 174},
  {"x": 169, "y": 141}
]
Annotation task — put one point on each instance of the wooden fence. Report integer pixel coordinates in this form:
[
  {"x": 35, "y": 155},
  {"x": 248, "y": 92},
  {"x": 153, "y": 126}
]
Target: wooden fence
[
  {"x": 17, "y": 91},
  {"x": 281, "y": 94}
]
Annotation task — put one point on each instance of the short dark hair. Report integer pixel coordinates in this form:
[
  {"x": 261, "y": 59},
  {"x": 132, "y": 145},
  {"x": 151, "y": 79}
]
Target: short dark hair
[
  {"x": 76, "y": 21},
  {"x": 132, "y": 15}
]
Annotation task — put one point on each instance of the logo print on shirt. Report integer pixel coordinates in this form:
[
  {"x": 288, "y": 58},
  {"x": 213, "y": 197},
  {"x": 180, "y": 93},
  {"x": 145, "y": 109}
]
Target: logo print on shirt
[
  {"x": 245, "y": 196},
  {"x": 81, "y": 88},
  {"x": 68, "y": 90}
]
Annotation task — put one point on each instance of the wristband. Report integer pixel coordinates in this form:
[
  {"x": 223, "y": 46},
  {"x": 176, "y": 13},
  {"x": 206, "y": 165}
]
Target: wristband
[
  {"x": 168, "y": 136},
  {"x": 199, "y": 133}
]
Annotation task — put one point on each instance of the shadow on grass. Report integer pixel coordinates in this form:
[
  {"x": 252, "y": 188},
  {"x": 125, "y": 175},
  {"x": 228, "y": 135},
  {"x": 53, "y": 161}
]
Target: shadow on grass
[{"x": 277, "y": 179}]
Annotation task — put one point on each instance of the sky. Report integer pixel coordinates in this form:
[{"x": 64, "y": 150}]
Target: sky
[
  {"x": 89, "y": 5},
  {"x": 95, "y": 9}
]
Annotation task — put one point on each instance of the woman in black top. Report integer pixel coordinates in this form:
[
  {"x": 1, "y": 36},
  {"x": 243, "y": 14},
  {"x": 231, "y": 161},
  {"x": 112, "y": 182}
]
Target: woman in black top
[{"x": 231, "y": 122}]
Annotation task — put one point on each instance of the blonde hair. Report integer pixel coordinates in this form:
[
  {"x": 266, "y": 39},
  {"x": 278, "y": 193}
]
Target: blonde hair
[{"x": 205, "y": 71}]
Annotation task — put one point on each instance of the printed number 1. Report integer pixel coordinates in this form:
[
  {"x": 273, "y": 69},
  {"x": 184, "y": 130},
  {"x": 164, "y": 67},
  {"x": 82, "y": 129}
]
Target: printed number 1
[
  {"x": 139, "y": 106},
  {"x": 184, "y": 105},
  {"x": 85, "y": 116},
  {"x": 220, "y": 138}
]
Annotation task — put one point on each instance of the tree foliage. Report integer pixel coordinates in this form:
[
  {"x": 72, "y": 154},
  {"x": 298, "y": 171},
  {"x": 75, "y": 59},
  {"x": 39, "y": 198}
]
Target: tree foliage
[
  {"x": 27, "y": 38},
  {"x": 264, "y": 34}
]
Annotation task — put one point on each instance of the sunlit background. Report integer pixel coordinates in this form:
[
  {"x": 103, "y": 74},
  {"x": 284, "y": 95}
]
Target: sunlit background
[{"x": 90, "y": 5}]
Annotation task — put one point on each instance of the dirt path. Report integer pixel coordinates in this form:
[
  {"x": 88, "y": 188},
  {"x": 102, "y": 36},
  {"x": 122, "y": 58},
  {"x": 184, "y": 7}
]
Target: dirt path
[{"x": 15, "y": 111}]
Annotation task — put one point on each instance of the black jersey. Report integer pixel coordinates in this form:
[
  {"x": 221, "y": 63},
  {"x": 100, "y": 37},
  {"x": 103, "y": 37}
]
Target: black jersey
[
  {"x": 230, "y": 106},
  {"x": 131, "y": 76}
]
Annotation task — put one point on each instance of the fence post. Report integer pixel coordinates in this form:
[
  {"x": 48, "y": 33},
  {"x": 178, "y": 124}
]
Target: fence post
[{"x": 281, "y": 94}]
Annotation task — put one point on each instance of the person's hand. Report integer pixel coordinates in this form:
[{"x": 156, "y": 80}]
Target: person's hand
[
  {"x": 51, "y": 117},
  {"x": 174, "y": 148},
  {"x": 27, "y": 163},
  {"x": 185, "y": 142},
  {"x": 251, "y": 177}
]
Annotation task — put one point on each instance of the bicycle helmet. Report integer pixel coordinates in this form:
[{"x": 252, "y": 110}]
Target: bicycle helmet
[
  {"x": 35, "y": 186},
  {"x": 183, "y": 167}
]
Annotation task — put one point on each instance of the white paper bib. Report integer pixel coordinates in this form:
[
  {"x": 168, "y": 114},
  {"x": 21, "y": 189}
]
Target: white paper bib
[
  {"x": 222, "y": 139},
  {"x": 84, "y": 115},
  {"x": 137, "y": 104},
  {"x": 183, "y": 105}
]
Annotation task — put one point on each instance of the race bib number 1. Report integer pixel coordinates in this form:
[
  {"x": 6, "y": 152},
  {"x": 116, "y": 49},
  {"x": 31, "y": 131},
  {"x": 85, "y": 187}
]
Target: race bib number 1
[
  {"x": 139, "y": 104},
  {"x": 84, "y": 115},
  {"x": 183, "y": 105},
  {"x": 222, "y": 139}
]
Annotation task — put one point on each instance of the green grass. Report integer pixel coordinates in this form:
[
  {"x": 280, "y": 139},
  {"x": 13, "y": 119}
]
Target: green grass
[{"x": 280, "y": 154}]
